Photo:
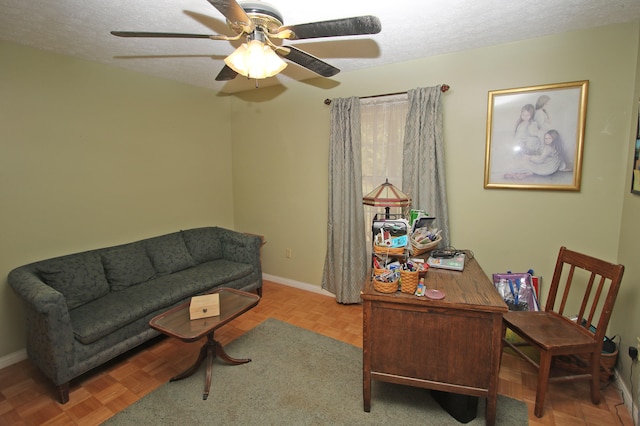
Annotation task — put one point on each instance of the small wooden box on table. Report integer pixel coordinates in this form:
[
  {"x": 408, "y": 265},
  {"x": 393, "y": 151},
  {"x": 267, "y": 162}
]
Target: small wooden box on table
[{"x": 450, "y": 345}]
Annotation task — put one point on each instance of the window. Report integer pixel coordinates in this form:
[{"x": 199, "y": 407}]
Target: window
[{"x": 382, "y": 120}]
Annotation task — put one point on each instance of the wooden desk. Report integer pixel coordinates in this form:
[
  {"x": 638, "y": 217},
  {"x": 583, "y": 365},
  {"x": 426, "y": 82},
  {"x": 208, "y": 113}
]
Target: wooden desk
[{"x": 450, "y": 345}]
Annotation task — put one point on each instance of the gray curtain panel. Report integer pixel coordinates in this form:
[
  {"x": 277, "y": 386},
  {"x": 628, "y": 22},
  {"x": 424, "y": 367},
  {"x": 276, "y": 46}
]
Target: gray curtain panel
[
  {"x": 346, "y": 263},
  {"x": 423, "y": 157}
]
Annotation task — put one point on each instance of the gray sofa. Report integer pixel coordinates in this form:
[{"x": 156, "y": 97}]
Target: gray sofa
[{"x": 86, "y": 308}]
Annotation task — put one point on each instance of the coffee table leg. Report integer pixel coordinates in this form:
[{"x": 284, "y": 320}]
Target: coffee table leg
[
  {"x": 210, "y": 355},
  {"x": 220, "y": 351},
  {"x": 189, "y": 371},
  {"x": 209, "y": 351}
]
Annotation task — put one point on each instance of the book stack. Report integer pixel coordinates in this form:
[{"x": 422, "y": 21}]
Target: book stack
[{"x": 455, "y": 263}]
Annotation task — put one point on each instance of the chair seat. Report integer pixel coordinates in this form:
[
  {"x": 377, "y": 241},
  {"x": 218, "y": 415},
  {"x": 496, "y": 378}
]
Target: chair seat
[{"x": 550, "y": 331}]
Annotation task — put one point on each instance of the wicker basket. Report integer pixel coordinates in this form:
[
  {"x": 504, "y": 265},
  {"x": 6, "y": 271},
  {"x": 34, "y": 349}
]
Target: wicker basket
[
  {"x": 408, "y": 281},
  {"x": 580, "y": 364},
  {"x": 419, "y": 248},
  {"x": 378, "y": 271},
  {"x": 388, "y": 250},
  {"x": 383, "y": 287}
]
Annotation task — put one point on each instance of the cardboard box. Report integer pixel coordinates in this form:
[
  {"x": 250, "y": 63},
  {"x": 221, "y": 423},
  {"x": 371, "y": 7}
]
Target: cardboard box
[{"x": 204, "y": 306}]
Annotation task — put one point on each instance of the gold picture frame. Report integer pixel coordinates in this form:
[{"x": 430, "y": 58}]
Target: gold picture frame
[
  {"x": 535, "y": 137},
  {"x": 635, "y": 177}
]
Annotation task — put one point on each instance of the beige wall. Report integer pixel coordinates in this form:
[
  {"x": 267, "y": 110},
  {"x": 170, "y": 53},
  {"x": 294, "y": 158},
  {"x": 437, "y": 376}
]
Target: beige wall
[
  {"x": 280, "y": 161},
  {"x": 626, "y": 319},
  {"x": 92, "y": 156},
  {"x": 96, "y": 155}
]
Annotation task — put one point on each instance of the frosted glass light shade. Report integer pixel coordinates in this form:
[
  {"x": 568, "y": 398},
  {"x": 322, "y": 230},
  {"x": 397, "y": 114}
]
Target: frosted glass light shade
[{"x": 255, "y": 60}]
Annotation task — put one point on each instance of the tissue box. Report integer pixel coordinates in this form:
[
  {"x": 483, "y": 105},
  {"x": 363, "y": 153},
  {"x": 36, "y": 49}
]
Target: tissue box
[{"x": 204, "y": 306}]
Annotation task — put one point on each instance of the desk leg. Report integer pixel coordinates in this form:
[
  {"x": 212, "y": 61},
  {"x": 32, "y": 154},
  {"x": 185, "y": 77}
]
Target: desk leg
[
  {"x": 366, "y": 357},
  {"x": 492, "y": 394},
  {"x": 366, "y": 390},
  {"x": 492, "y": 402}
]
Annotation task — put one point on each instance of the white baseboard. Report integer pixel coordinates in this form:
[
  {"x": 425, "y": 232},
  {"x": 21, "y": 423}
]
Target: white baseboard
[
  {"x": 628, "y": 399},
  {"x": 13, "y": 358},
  {"x": 297, "y": 284}
]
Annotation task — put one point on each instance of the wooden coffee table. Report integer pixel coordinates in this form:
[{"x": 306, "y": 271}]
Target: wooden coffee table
[{"x": 176, "y": 323}]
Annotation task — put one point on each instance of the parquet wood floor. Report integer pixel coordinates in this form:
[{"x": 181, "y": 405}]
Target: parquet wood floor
[{"x": 28, "y": 398}]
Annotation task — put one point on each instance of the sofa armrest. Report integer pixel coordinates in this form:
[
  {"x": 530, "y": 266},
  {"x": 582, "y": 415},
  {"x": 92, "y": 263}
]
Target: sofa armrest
[
  {"x": 49, "y": 332},
  {"x": 241, "y": 247}
]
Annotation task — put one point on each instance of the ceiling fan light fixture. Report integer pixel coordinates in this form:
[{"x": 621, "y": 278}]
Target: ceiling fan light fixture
[
  {"x": 259, "y": 23},
  {"x": 255, "y": 60}
]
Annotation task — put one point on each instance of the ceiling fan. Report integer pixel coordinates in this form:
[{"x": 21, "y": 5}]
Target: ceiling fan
[{"x": 259, "y": 23}]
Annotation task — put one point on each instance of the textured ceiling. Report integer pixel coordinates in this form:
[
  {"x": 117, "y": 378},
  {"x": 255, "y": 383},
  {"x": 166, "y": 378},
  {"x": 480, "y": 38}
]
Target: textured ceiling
[{"x": 410, "y": 29}]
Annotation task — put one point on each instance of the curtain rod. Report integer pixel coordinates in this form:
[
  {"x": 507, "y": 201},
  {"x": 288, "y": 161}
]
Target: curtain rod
[{"x": 444, "y": 88}]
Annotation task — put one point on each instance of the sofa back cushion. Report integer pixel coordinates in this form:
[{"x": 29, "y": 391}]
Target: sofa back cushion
[
  {"x": 169, "y": 253},
  {"x": 79, "y": 277},
  {"x": 127, "y": 265},
  {"x": 204, "y": 244}
]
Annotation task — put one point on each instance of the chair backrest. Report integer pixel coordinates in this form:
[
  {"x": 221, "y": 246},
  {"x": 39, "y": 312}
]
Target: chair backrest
[{"x": 606, "y": 277}]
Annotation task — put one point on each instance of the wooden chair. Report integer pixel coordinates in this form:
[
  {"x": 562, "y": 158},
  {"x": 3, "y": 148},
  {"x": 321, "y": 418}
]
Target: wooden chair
[{"x": 553, "y": 333}]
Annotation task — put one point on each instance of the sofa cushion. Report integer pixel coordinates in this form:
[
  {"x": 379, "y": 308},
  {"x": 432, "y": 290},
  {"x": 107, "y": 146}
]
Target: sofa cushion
[
  {"x": 126, "y": 265},
  {"x": 103, "y": 316},
  {"x": 169, "y": 253},
  {"x": 217, "y": 272},
  {"x": 204, "y": 244},
  {"x": 95, "y": 320},
  {"x": 79, "y": 277}
]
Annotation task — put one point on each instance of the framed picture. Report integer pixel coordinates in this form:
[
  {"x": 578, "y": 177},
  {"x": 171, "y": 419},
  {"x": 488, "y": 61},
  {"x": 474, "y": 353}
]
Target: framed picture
[
  {"x": 635, "y": 177},
  {"x": 535, "y": 137}
]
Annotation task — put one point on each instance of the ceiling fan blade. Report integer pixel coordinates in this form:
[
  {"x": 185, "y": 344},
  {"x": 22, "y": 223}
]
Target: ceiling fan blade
[
  {"x": 168, "y": 35},
  {"x": 333, "y": 28},
  {"x": 234, "y": 14},
  {"x": 308, "y": 61},
  {"x": 226, "y": 74}
]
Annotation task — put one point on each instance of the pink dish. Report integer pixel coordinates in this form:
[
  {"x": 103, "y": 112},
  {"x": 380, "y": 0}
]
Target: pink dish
[{"x": 434, "y": 294}]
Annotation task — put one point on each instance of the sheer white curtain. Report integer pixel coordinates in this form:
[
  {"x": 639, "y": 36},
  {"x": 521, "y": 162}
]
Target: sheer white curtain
[{"x": 382, "y": 122}]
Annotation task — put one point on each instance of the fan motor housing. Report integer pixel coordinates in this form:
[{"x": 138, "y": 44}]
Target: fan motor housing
[{"x": 262, "y": 15}]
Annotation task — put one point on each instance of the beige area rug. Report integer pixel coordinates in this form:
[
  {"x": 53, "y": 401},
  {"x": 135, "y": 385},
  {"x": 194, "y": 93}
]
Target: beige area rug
[{"x": 296, "y": 377}]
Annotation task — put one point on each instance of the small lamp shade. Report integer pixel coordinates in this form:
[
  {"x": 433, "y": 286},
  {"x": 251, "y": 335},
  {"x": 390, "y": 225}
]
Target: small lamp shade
[{"x": 386, "y": 195}]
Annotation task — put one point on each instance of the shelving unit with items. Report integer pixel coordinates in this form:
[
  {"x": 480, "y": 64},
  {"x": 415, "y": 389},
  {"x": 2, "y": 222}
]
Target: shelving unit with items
[{"x": 389, "y": 239}]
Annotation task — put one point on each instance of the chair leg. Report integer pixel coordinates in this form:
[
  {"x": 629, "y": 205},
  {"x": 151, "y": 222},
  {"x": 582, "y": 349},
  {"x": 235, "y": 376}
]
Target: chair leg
[
  {"x": 543, "y": 382},
  {"x": 595, "y": 378}
]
